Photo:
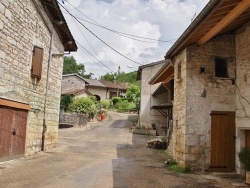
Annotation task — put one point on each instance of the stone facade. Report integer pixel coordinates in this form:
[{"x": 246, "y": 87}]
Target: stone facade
[
  {"x": 196, "y": 94},
  {"x": 72, "y": 82},
  {"x": 21, "y": 28},
  {"x": 242, "y": 88},
  {"x": 147, "y": 115}
]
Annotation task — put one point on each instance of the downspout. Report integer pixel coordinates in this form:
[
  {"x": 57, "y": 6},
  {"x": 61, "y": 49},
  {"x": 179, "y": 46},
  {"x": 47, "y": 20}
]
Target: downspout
[
  {"x": 38, "y": 8},
  {"x": 46, "y": 92}
]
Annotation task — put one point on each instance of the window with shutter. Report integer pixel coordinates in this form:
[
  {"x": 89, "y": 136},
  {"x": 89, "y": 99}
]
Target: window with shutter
[{"x": 36, "y": 69}]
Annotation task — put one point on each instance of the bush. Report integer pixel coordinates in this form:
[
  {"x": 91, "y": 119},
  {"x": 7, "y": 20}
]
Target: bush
[
  {"x": 115, "y": 100},
  {"x": 105, "y": 104},
  {"x": 66, "y": 100},
  {"x": 244, "y": 157},
  {"x": 124, "y": 105},
  {"x": 85, "y": 105},
  {"x": 174, "y": 166},
  {"x": 133, "y": 93}
]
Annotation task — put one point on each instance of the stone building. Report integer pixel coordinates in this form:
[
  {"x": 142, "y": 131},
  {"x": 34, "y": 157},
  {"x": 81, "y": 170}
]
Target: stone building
[
  {"x": 211, "y": 88},
  {"x": 153, "y": 97},
  {"x": 33, "y": 38},
  {"x": 74, "y": 85},
  {"x": 82, "y": 87},
  {"x": 114, "y": 89}
]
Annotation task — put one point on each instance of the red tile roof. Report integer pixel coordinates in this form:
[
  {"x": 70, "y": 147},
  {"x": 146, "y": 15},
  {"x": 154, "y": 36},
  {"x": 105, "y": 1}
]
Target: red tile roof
[
  {"x": 114, "y": 85},
  {"x": 76, "y": 92}
]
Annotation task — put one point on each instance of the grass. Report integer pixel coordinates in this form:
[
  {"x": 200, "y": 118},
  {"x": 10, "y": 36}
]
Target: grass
[{"x": 175, "y": 167}]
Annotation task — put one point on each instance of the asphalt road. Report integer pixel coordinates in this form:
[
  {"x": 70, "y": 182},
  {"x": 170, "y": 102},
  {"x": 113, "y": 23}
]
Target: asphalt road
[{"x": 106, "y": 155}]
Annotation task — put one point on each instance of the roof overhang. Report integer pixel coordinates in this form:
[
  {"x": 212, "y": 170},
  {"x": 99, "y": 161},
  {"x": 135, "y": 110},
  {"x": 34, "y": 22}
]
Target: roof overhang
[
  {"x": 146, "y": 66},
  {"x": 162, "y": 106},
  {"x": 160, "y": 90},
  {"x": 53, "y": 10},
  {"x": 164, "y": 75},
  {"x": 217, "y": 18}
]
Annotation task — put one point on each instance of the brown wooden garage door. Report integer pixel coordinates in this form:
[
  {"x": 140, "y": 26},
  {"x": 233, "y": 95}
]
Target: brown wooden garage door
[
  {"x": 222, "y": 156},
  {"x": 12, "y": 131}
]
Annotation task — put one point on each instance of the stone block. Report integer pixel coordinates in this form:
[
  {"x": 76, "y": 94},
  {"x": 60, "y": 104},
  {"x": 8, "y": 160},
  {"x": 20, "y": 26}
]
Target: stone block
[
  {"x": 2, "y": 54},
  {"x": 196, "y": 150},
  {"x": 2, "y": 8},
  {"x": 1, "y": 25},
  {"x": 190, "y": 157},
  {"x": 1, "y": 72},
  {"x": 7, "y": 13},
  {"x": 191, "y": 140}
]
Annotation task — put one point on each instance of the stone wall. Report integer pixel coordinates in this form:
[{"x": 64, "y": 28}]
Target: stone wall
[
  {"x": 72, "y": 82},
  {"x": 22, "y": 28},
  {"x": 243, "y": 88},
  {"x": 75, "y": 119},
  {"x": 197, "y": 94},
  {"x": 148, "y": 116},
  {"x": 177, "y": 144}
]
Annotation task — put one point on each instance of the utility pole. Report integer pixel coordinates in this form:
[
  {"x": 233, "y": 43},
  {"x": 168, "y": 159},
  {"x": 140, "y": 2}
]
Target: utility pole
[{"x": 118, "y": 72}]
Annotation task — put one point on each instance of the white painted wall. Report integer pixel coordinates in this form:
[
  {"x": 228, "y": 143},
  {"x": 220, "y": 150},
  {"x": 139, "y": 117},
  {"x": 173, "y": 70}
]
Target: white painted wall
[{"x": 147, "y": 116}]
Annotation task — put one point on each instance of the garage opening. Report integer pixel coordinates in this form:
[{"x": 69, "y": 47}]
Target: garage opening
[{"x": 13, "y": 123}]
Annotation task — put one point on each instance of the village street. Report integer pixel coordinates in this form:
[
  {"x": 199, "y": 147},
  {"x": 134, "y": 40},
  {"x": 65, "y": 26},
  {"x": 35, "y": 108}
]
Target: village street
[{"x": 104, "y": 155}]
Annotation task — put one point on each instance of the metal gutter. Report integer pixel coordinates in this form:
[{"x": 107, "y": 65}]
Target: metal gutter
[
  {"x": 48, "y": 72},
  {"x": 168, "y": 63},
  {"x": 191, "y": 28},
  {"x": 138, "y": 77}
]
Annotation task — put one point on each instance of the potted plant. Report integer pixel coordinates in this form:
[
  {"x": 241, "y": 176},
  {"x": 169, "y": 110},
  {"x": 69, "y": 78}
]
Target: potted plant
[{"x": 244, "y": 157}]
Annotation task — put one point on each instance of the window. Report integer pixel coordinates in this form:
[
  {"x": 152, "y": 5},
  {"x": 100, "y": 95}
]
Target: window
[
  {"x": 179, "y": 71},
  {"x": 37, "y": 59},
  {"x": 221, "y": 68},
  {"x": 172, "y": 89}
]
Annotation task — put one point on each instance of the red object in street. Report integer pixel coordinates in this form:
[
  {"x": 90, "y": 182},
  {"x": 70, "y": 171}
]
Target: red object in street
[{"x": 102, "y": 117}]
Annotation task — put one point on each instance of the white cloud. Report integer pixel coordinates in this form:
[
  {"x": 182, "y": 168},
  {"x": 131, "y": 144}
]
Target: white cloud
[{"x": 158, "y": 19}]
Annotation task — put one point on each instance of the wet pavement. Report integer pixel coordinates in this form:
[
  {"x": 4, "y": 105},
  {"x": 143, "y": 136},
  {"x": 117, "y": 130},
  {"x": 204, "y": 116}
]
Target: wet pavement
[{"x": 106, "y": 155}]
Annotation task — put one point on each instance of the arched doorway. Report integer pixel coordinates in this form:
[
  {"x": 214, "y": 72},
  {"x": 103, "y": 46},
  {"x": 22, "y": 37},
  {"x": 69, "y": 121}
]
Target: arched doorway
[{"x": 98, "y": 98}]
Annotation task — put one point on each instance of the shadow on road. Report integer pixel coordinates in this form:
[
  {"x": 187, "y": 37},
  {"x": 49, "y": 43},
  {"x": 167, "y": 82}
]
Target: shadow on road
[
  {"x": 134, "y": 161},
  {"x": 125, "y": 123},
  {"x": 120, "y": 124}
]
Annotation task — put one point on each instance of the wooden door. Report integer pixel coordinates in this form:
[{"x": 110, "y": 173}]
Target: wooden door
[
  {"x": 6, "y": 119},
  {"x": 222, "y": 156},
  {"x": 12, "y": 131},
  {"x": 19, "y": 131},
  {"x": 247, "y": 137}
]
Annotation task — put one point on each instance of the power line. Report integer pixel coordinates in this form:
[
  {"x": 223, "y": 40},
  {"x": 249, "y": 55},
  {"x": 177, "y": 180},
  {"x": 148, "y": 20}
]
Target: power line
[
  {"x": 92, "y": 48},
  {"x": 81, "y": 45},
  {"x": 118, "y": 32},
  {"x": 100, "y": 61},
  {"x": 97, "y": 36},
  {"x": 94, "y": 56}
]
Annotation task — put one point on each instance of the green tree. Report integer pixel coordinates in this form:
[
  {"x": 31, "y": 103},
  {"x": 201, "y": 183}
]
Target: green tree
[
  {"x": 122, "y": 77},
  {"x": 70, "y": 66},
  {"x": 108, "y": 77},
  {"x": 66, "y": 100},
  {"x": 133, "y": 93}
]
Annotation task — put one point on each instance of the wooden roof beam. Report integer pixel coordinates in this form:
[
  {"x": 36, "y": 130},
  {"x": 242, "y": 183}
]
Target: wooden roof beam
[{"x": 239, "y": 9}]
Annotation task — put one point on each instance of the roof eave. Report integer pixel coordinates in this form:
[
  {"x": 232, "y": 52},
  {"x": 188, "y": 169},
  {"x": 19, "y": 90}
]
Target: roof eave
[{"x": 53, "y": 11}]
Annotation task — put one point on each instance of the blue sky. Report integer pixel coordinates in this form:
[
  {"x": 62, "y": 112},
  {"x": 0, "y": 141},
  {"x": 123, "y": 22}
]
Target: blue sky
[{"x": 155, "y": 19}]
